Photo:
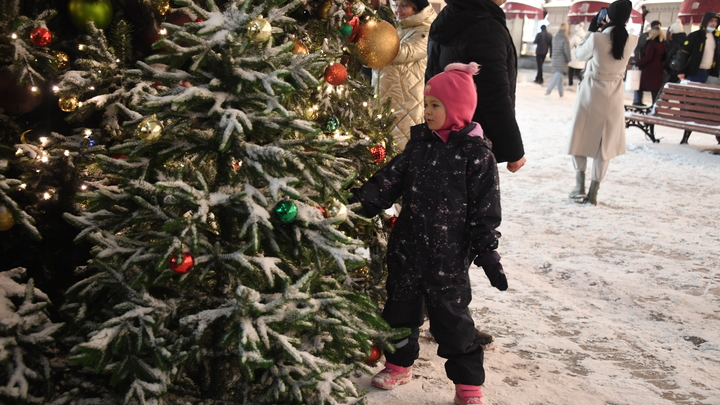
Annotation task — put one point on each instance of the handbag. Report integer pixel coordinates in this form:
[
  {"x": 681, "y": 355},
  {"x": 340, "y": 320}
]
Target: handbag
[
  {"x": 632, "y": 79},
  {"x": 678, "y": 61}
]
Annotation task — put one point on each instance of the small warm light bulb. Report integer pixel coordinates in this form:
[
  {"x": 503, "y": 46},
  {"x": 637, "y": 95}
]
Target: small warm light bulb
[
  {"x": 117, "y": 60},
  {"x": 66, "y": 153},
  {"x": 83, "y": 187},
  {"x": 81, "y": 47},
  {"x": 47, "y": 195},
  {"x": 23, "y": 186},
  {"x": 43, "y": 140},
  {"x": 162, "y": 31},
  {"x": 13, "y": 36},
  {"x": 365, "y": 104},
  {"x": 56, "y": 89},
  {"x": 34, "y": 89},
  {"x": 18, "y": 152},
  {"x": 88, "y": 132},
  {"x": 91, "y": 88},
  {"x": 379, "y": 116},
  {"x": 80, "y": 104},
  {"x": 44, "y": 159}
]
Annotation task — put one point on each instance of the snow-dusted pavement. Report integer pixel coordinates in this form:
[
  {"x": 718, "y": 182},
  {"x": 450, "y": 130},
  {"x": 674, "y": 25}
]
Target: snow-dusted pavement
[{"x": 607, "y": 305}]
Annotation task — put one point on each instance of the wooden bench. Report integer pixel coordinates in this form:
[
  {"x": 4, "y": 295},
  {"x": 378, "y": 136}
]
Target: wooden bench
[{"x": 688, "y": 106}]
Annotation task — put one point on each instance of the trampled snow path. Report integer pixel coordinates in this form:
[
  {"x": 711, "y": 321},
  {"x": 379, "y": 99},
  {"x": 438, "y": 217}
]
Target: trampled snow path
[{"x": 608, "y": 305}]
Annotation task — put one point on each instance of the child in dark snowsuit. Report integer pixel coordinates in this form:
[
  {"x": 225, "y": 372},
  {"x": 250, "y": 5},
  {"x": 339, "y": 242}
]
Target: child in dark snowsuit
[{"x": 447, "y": 178}]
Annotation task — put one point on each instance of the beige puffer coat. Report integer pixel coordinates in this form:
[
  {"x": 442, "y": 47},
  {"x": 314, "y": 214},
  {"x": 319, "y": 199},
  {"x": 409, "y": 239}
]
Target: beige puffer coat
[{"x": 404, "y": 79}]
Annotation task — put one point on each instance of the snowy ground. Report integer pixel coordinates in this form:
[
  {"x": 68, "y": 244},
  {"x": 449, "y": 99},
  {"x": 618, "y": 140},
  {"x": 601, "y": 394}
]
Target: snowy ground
[{"x": 607, "y": 305}]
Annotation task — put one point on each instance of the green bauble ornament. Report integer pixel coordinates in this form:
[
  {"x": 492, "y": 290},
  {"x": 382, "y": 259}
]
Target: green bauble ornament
[
  {"x": 286, "y": 211},
  {"x": 98, "y": 11},
  {"x": 332, "y": 124},
  {"x": 345, "y": 30}
]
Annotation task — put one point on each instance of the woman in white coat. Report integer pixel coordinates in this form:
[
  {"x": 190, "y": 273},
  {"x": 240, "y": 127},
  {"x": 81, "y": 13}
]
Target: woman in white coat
[
  {"x": 403, "y": 79},
  {"x": 598, "y": 128}
]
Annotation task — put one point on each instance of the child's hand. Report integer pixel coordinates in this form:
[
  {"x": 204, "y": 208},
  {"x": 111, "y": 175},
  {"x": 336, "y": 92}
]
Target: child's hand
[{"x": 490, "y": 262}]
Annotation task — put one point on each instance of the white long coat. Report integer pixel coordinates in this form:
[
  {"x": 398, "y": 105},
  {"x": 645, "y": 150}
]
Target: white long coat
[
  {"x": 599, "y": 116},
  {"x": 404, "y": 79}
]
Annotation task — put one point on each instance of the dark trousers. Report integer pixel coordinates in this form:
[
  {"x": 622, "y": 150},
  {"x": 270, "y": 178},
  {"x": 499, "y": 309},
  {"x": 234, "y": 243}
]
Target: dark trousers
[
  {"x": 540, "y": 59},
  {"x": 572, "y": 72},
  {"x": 451, "y": 325}
]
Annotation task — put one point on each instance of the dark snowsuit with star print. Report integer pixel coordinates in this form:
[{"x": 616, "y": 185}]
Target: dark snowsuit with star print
[{"x": 451, "y": 209}]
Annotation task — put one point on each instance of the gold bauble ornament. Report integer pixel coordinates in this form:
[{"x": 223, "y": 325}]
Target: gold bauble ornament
[
  {"x": 68, "y": 104},
  {"x": 299, "y": 47},
  {"x": 161, "y": 6},
  {"x": 378, "y": 43},
  {"x": 363, "y": 273},
  {"x": 62, "y": 60},
  {"x": 336, "y": 209},
  {"x": 323, "y": 10},
  {"x": 6, "y": 219},
  {"x": 150, "y": 129},
  {"x": 259, "y": 30}
]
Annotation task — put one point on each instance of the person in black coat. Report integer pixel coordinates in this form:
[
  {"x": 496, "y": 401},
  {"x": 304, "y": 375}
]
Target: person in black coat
[
  {"x": 543, "y": 42},
  {"x": 675, "y": 38},
  {"x": 474, "y": 31},
  {"x": 702, "y": 49},
  {"x": 447, "y": 178}
]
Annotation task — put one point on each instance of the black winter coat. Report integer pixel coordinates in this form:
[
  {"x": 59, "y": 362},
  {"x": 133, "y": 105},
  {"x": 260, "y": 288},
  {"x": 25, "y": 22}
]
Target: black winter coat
[
  {"x": 450, "y": 206},
  {"x": 475, "y": 31},
  {"x": 694, "y": 45}
]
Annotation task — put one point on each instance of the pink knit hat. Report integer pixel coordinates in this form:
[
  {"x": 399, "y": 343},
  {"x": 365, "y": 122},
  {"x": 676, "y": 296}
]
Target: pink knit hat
[{"x": 456, "y": 89}]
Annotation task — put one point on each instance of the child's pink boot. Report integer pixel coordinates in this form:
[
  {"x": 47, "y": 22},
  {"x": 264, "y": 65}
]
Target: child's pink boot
[
  {"x": 468, "y": 394},
  {"x": 392, "y": 376}
]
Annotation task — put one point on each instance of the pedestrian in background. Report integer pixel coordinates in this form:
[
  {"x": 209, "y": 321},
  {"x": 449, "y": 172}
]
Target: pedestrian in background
[
  {"x": 638, "y": 54},
  {"x": 701, "y": 51},
  {"x": 598, "y": 127},
  {"x": 560, "y": 59},
  {"x": 575, "y": 67},
  {"x": 651, "y": 64},
  {"x": 674, "y": 40},
  {"x": 543, "y": 42},
  {"x": 403, "y": 79}
]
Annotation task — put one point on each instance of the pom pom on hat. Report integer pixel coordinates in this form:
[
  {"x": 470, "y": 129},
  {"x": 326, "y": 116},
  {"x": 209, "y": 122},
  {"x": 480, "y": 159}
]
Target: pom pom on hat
[
  {"x": 455, "y": 88},
  {"x": 677, "y": 27}
]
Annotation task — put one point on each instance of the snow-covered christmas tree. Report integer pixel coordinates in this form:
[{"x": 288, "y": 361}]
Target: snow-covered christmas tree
[{"x": 225, "y": 265}]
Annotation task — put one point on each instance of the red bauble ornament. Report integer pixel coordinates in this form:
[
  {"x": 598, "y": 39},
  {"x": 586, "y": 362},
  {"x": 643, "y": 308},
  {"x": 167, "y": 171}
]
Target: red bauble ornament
[
  {"x": 355, "y": 24},
  {"x": 392, "y": 220},
  {"x": 379, "y": 153},
  {"x": 182, "y": 265},
  {"x": 375, "y": 354},
  {"x": 336, "y": 74},
  {"x": 41, "y": 36}
]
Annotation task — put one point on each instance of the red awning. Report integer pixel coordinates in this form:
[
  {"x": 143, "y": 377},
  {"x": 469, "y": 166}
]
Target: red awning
[
  {"x": 692, "y": 11},
  {"x": 584, "y": 11},
  {"x": 514, "y": 9}
]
